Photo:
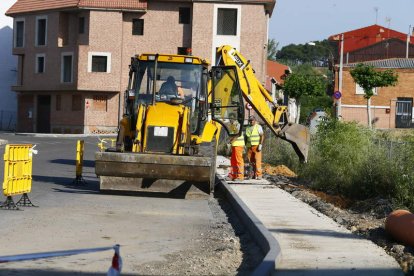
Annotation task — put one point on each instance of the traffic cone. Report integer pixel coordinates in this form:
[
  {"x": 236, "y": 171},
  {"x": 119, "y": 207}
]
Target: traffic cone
[{"x": 116, "y": 267}]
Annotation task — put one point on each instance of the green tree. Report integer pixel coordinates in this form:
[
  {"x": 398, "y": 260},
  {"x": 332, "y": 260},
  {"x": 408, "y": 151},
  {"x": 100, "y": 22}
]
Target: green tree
[
  {"x": 272, "y": 48},
  {"x": 320, "y": 52},
  {"x": 305, "y": 81},
  {"x": 369, "y": 78}
]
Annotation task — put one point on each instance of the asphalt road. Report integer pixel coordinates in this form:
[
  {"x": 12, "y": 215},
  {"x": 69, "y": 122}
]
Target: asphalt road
[{"x": 74, "y": 217}]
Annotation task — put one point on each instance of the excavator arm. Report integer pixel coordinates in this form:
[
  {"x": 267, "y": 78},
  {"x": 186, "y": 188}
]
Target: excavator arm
[{"x": 273, "y": 115}]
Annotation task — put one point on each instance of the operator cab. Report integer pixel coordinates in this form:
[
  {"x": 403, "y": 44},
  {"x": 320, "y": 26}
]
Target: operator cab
[{"x": 177, "y": 80}]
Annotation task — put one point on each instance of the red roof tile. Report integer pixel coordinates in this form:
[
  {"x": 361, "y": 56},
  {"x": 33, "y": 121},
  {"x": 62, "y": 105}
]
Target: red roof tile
[
  {"x": 275, "y": 70},
  {"x": 129, "y": 4},
  {"x": 363, "y": 37},
  {"x": 23, "y": 6}
]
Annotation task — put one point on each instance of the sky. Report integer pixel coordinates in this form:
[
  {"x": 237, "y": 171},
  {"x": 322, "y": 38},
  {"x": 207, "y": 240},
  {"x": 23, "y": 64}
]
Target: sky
[
  {"x": 302, "y": 21},
  {"x": 5, "y": 20}
]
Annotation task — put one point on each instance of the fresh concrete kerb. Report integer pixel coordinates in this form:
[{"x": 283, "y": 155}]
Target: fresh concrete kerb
[
  {"x": 305, "y": 242},
  {"x": 263, "y": 238}
]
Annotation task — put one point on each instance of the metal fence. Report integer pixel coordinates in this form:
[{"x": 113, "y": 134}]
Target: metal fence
[
  {"x": 396, "y": 150},
  {"x": 8, "y": 120}
]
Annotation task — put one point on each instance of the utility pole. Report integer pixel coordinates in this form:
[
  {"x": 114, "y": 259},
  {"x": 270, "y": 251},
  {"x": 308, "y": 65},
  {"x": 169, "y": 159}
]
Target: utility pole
[
  {"x": 408, "y": 41},
  {"x": 341, "y": 67}
]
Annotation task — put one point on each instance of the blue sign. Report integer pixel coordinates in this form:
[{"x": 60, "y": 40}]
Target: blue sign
[{"x": 337, "y": 95}]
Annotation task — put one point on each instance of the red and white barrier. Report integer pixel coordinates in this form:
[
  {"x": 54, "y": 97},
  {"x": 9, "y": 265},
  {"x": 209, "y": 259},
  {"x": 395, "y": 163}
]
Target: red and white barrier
[{"x": 114, "y": 270}]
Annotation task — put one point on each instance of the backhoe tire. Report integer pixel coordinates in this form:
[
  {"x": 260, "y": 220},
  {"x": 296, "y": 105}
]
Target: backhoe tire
[{"x": 210, "y": 150}]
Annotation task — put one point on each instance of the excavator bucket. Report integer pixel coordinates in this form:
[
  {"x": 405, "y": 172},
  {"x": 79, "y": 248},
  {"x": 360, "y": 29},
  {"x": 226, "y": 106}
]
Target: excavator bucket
[
  {"x": 299, "y": 137},
  {"x": 171, "y": 175}
]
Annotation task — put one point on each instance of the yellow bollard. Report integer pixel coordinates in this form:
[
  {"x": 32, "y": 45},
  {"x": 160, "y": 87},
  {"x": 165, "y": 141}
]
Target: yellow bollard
[{"x": 79, "y": 163}]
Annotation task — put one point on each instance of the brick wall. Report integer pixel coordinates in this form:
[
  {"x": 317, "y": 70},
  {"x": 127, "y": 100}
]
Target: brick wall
[
  {"x": 386, "y": 99},
  {"x": 404, "y": 88},
  {"x": 111, "y": 32},
  {"x": 253, "y": 39},
  {"x": 65, "y": 120},
  {"x": 50, "y": 79},
  {"x": 202, "y": 32},
  {"x": 25, "y": 113},
  {"x": 100, "y": 119}
]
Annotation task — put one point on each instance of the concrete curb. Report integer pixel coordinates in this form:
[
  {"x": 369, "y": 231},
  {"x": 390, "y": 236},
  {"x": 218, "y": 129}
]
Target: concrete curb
[{"x": 267, "y": 243}]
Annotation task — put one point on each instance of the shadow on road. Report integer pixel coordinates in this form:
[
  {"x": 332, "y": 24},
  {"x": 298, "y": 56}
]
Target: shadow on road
[
  {"x": 72, "y": 162},
  {"x": 314, "y": 232},
  {"x": 89, "y": 185}
]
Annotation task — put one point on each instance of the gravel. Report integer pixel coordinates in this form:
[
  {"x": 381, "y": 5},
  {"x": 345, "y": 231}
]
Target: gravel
[{"x": 225, "y": 248}]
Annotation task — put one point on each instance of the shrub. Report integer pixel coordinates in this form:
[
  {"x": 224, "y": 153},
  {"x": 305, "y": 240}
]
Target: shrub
[{"x": 351, "y": 160}]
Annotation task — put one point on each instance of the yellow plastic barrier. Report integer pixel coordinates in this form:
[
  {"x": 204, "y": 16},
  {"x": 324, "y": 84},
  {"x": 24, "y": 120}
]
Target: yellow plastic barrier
[
  {"x": 17, "y": 175},
  {"x": 102, "y": 143},
  {"x": 17, "y": 170},
  {"x": 79, "y": 163}
]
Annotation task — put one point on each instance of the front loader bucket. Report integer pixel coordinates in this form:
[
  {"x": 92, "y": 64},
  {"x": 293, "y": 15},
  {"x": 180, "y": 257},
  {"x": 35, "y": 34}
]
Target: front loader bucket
[
  {"x": 299, "y": 137},
  {"x": 173, "y": 175}
]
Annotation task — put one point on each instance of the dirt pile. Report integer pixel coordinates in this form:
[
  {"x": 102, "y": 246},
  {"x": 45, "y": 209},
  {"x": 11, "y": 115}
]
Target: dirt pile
[
  {"x": 278, "y": 170},
  {"x": 363, "y": 218}
]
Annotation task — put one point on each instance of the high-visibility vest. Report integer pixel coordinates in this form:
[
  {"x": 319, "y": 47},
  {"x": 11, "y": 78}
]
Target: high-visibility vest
[
  {"x": 252, "y": 134},
  {"x": 239, "y": 142}
]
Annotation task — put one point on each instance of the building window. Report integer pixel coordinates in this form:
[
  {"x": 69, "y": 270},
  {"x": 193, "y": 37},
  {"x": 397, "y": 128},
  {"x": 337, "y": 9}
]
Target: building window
[
  {"x": 67, "y": 67},
  {"x": 19, "y": 33},
  {"x": 137, "y": 26},
  {"x": 40, "y": 63},
  {"x": 81, "y": 26},
  {"x": 41, "y": 30},
  {"x": 226, "y": 21},
  {"x": 184, "y": 15},
  {"x": 360, "y": 91},
  {"x": 58, "y": 102},
  {"x": 76, "y": 102},
  {"x": 100, "y": 103},
  {"x": 99, "y": 62}
]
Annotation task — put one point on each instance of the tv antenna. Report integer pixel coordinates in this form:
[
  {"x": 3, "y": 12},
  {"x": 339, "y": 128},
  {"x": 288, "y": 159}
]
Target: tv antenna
[{"x": 388, "y": 20}]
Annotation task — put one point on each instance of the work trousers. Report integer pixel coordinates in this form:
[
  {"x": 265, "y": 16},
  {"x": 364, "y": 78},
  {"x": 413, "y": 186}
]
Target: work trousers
[
  {"x": 237, "y": 163},
  {"x": 255, "y": 159}
]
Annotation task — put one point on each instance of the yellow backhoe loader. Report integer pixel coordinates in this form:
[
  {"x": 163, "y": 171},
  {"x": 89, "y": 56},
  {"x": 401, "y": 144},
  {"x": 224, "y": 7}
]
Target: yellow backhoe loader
[{"x": 175, "y": 108}]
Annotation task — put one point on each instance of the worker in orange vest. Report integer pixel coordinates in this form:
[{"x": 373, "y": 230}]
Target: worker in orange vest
[
  {"x": 254, "y": 142},
  {"x": 237, "y": 149}
]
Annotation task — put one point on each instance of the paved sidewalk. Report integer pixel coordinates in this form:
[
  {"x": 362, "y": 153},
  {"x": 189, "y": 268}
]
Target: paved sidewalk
[{"x": 311, "y": 243}]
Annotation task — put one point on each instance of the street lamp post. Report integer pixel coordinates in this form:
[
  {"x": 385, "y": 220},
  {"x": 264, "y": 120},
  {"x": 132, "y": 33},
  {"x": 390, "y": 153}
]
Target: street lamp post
[
  {"x": 341, "y": 67},
  {"x": 331, "y": 62},
  {"x": 341, "y": 64}
]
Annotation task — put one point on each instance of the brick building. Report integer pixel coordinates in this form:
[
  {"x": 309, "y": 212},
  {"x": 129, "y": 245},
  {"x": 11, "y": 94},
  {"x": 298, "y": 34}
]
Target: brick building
[
  {"x": 391, "y": 107},
  {"x": 73, "y": 55}
]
